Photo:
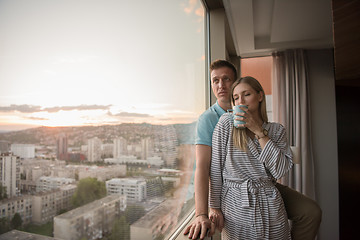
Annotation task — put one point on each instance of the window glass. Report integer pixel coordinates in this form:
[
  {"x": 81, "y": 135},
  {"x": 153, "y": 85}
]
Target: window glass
[{"x": 106, "y": 94}]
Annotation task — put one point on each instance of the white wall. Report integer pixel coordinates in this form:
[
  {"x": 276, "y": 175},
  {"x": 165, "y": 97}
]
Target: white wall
[
  {"x": 217, "y": 41},
  {"x": 324, "y": 136}
]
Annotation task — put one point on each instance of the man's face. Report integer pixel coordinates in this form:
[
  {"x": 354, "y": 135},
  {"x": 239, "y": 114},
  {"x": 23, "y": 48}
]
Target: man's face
[{"x": 221, "y": 81}]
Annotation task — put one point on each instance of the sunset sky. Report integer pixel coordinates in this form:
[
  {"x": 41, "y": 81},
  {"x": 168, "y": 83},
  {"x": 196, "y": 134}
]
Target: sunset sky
[{"x": 81, "y": 62}]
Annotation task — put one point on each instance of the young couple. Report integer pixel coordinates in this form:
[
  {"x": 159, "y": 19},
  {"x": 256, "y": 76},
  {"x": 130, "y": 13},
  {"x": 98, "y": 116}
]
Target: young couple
[{"x": 242, "y": 164}]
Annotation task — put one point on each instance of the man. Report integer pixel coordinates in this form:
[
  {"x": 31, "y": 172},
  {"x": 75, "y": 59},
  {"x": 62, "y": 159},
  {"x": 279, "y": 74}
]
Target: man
[{"x": 304, "y": 212}]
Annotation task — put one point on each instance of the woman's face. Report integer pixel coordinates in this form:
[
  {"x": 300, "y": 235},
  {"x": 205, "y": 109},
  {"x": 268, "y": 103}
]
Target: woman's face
[{"x": 244, "y": 94}]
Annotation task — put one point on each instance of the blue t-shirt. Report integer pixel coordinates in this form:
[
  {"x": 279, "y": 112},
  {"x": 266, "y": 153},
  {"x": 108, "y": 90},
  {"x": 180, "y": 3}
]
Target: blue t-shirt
[{"x": 206, "y": 124}]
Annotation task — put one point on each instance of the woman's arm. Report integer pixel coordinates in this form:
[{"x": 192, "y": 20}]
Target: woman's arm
[
  {"x": 276, "y": 154},
  {"x": 218, "y": 156}
]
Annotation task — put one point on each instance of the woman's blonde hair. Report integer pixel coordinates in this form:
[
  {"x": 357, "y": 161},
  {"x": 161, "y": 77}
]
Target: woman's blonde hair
[{"x": 239, "y": 135}]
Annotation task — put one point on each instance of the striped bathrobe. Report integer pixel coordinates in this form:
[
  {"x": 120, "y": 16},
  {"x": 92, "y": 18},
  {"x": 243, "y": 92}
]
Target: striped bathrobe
[{"x": 242, "y": 183}]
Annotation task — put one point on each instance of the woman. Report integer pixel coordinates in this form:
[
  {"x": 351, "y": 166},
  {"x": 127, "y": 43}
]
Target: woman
[{"x": 245, "y": 164}]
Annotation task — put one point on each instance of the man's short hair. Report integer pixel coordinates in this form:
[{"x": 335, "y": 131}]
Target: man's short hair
[{"x": 223, "y": 63}]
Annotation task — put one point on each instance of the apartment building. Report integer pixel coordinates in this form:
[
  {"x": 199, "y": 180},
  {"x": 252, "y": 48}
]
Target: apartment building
[
  {"x": 155, "y": 161},
  {"x": 133, "y": 189},
  {"x": 21, "y": 205},
  {"x": 147, "y": 148},
  {"x": 62, "y": 147},
  {"x": 27, "y": 186},
  {"x": 39, "y": 208},
  {"x": 10, "y": 173},
  {"x": 48, "y": 183},
  {"x": 23, "y": 150},
  {"x": 168, "y": 143},
  {"x": 33, "y": 169},
  {"x": 94, "y": 150},
  {"x": 63, "y": 172},
  {"x": 4, "y": 146},
  {"x": 120, "y": 147},
  {"x": 92, "y": 220},
  {"x": 107, "y": 149},
  {"x": 47, "y": 205},
  {"x": 102, "y": 173},
  {"x": 124, "y": 159}
]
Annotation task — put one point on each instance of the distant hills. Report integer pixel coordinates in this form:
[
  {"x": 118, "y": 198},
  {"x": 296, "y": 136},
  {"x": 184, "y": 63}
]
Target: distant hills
[{"x": 78, "y": 136}]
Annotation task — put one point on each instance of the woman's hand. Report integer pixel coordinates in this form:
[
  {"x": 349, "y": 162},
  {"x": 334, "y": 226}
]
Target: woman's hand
[
  {"x": 217, "y": 218},
  {"x": 251, "y": 119},
  {"x": 199, "y": 228}
]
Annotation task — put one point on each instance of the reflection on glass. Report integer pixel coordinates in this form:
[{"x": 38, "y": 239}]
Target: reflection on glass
[{"x": 98, "y": 104}]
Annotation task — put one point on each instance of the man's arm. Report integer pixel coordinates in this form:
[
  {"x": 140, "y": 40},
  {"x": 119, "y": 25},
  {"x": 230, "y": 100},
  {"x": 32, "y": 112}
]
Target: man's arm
[
  {"x": 203, "y": 158},
  {"x": 201, "y": 222}
]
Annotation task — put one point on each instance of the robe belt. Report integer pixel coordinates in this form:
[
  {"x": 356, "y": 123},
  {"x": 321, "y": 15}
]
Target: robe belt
[{"x": 248, "y": 187}]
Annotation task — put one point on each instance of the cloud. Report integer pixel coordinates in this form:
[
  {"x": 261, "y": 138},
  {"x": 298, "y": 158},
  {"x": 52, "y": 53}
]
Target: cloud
[
  {"x": 21, "y": 108},
  {"x": 200, "y": 12},
  {"x": 190, "y": 7},
  {"x": 31, "y": 108},
  {"x": 79, "y": 107},
  {"x": 128, "y": 114},
  {"x": 37, "y": 118},
  {"x": 165, "y": 119}
]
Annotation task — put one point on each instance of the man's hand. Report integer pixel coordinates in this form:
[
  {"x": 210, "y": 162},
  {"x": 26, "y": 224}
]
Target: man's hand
[{"x": 199, "y": 227}]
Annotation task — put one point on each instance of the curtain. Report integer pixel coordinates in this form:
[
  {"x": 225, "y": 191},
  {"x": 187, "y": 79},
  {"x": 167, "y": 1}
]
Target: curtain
[{"x": 291, "y": 108}]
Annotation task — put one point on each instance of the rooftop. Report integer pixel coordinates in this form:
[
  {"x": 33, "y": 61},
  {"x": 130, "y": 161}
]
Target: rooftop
[
  {"x": 126, "y": 180},
  {"x": 163, "y": 209},
  {"x": 89, "y": 207},
  {"x": 19, "y": 235}
]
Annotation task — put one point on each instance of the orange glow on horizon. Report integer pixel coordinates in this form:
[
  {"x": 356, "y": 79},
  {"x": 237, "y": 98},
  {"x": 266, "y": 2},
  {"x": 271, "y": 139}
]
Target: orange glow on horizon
[{"x": 86, "y": 118}]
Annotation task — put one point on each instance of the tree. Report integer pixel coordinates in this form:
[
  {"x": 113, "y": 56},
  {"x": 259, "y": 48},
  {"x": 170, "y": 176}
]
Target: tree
[
  {"x": 61, "y": 211},
  {"x": 3, "y": 193},
  {"x": 16, "y": 221},
  {"x": 88, "y": 190},
  {"x": 134, "y": 213},
  {"x": 120, "y": 230},
  {"x": 4, "y": 225}
]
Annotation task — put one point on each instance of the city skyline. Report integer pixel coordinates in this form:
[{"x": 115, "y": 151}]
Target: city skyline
[{"x": 102, "y": 62}]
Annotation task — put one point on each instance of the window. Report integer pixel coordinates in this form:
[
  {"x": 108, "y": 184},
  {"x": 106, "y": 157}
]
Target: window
[{"x": 107, "y": 89}]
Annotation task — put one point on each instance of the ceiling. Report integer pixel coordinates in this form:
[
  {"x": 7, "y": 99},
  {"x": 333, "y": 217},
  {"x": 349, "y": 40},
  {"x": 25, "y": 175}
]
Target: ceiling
[{"x": 259, "y": 27}]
